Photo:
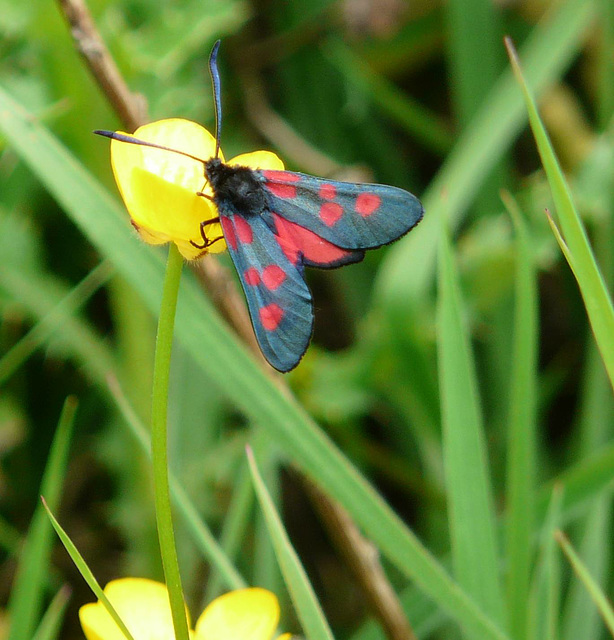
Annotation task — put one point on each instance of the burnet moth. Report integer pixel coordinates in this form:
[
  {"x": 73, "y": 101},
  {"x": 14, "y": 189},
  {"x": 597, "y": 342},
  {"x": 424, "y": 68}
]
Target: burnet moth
[{"x": 275, "y": 223}]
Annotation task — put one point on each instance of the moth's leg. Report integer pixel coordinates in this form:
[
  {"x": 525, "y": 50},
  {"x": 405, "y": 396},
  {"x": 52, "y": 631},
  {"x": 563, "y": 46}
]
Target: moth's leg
[
  {"x": 206, "y": 242},
  {"x": 204, "y": 223},
  {"x": 203, "y": 247},
  {"x": 215, "y": 240}
]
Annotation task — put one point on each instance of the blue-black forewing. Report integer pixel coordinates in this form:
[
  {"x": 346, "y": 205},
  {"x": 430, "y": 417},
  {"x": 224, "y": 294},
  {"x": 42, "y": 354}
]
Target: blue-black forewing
[
  {"x": 278, "y": 298},
  {"x": 350, "y": 216}
]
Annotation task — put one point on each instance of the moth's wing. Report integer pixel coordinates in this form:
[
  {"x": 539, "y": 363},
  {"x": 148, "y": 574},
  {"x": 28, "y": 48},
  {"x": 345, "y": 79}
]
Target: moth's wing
[
  {"x": 348, "y": 215},
  {"x": 278, "y": 298}
]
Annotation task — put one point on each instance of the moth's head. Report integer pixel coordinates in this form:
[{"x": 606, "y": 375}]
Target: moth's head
[
  {"x": 214, "y": 167},
  {"x": 213, "y": 164}
]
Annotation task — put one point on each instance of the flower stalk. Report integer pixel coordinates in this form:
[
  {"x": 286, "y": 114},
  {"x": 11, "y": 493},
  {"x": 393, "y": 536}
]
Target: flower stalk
[{"x": 159, "y": 446}]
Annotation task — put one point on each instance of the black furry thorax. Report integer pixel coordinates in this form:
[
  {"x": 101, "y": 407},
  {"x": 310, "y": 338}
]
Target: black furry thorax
[{"x": 236, "y": 189}]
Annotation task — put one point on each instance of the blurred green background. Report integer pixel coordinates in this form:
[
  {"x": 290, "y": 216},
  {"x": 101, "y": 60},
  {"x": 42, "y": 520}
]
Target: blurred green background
[{"x": 412, "y": 93}]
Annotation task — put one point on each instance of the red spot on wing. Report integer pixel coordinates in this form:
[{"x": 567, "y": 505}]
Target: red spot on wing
[
  {"x": 271, "y": 316},
  {"x": 330, "y": 212},
  {"x": 251, "y": 277},
  {"x": 281, "y": 176},
  {"x": 281, "y": 183},
  {"x": 229, "y": 232},
  {"x": 296, "y": 240},
  {"x": 367, "y": 203},
  {"x": 243, "y": 229},
  {"x": 285, "y": 191},
  {"x": 273, "y": 277},
  {"x": 327, "y": 191}
]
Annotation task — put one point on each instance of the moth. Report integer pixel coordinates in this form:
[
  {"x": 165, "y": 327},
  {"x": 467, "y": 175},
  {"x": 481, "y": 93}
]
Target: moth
[{"x": 276, "y": 223}]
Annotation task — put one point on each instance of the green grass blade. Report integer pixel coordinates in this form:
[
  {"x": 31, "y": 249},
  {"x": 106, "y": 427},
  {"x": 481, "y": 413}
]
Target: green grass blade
[
  {"x": 48, "y": 324},
  {"x": 547, "y": 53},
  {"x": 520, "y": 490},
  {"x": 236, "y": 522},
  {"x": 201, "y": 534},
  {"x": 305, "y": 602},
  {"x": 587, "y": 479},
  {"x": 49, "y": 627},
  {"x": 544, "y": 610},
  {"x": 596, "y": 424},
  {"x": 579, "y": 254},
  {"x": 581, "y": 617},
  {"x": 474, "y": 53},
  {"x": 596, "y": 421},
  {"x": 474, "y": 60},
  {"x": 43, "y": 298},
  {"x": 604, "y": 606},
  {"x": 606, "y": 66},
  {"x": 28, "y": 587},
  {"x": 470, "y": 504},
  {"x": 86, "y": 572},
  {"x": 265, "y": 564}
]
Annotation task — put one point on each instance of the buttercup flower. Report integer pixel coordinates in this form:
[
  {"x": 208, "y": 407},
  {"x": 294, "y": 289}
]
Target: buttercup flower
[
  {"x": 159, "y": 187},
  {"x": 246, "y": 614}
]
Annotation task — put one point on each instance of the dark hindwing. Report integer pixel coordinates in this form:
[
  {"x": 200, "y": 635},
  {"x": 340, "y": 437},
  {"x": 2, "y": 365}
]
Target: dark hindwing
[
  {"x": 278, "y": 298},
  {"x": 348, "y": 215},
  {"x": 304, "y": 247}
]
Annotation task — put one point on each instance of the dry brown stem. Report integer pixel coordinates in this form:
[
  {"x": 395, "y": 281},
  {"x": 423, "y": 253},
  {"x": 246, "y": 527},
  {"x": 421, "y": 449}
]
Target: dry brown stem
[{"x": 362, "y": 558}]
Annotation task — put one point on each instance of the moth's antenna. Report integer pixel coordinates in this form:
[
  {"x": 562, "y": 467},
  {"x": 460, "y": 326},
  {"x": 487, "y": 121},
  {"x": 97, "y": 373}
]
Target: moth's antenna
[
  {"x": 132, "y": 140},
  {"x": 215, "y": 79}
]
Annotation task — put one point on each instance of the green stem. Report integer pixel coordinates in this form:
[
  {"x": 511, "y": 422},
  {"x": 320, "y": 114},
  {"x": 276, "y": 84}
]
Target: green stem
[{"x": 162, "y": 363}]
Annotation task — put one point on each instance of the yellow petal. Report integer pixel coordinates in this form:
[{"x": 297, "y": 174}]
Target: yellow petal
[
  {"x": 173, "y": 214},
  {"x": 246, "y": 614},
  {"x": 258, "y": 160},
  {"x": 174, "y": 133},
  {"x": 143, "y": 606},
  {"x": 159, "y": 187}
]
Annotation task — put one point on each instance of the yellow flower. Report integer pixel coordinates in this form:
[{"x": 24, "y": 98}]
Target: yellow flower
[
  {"x": 246, "y": 614},
  {"x": 159, "y": 187}
]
